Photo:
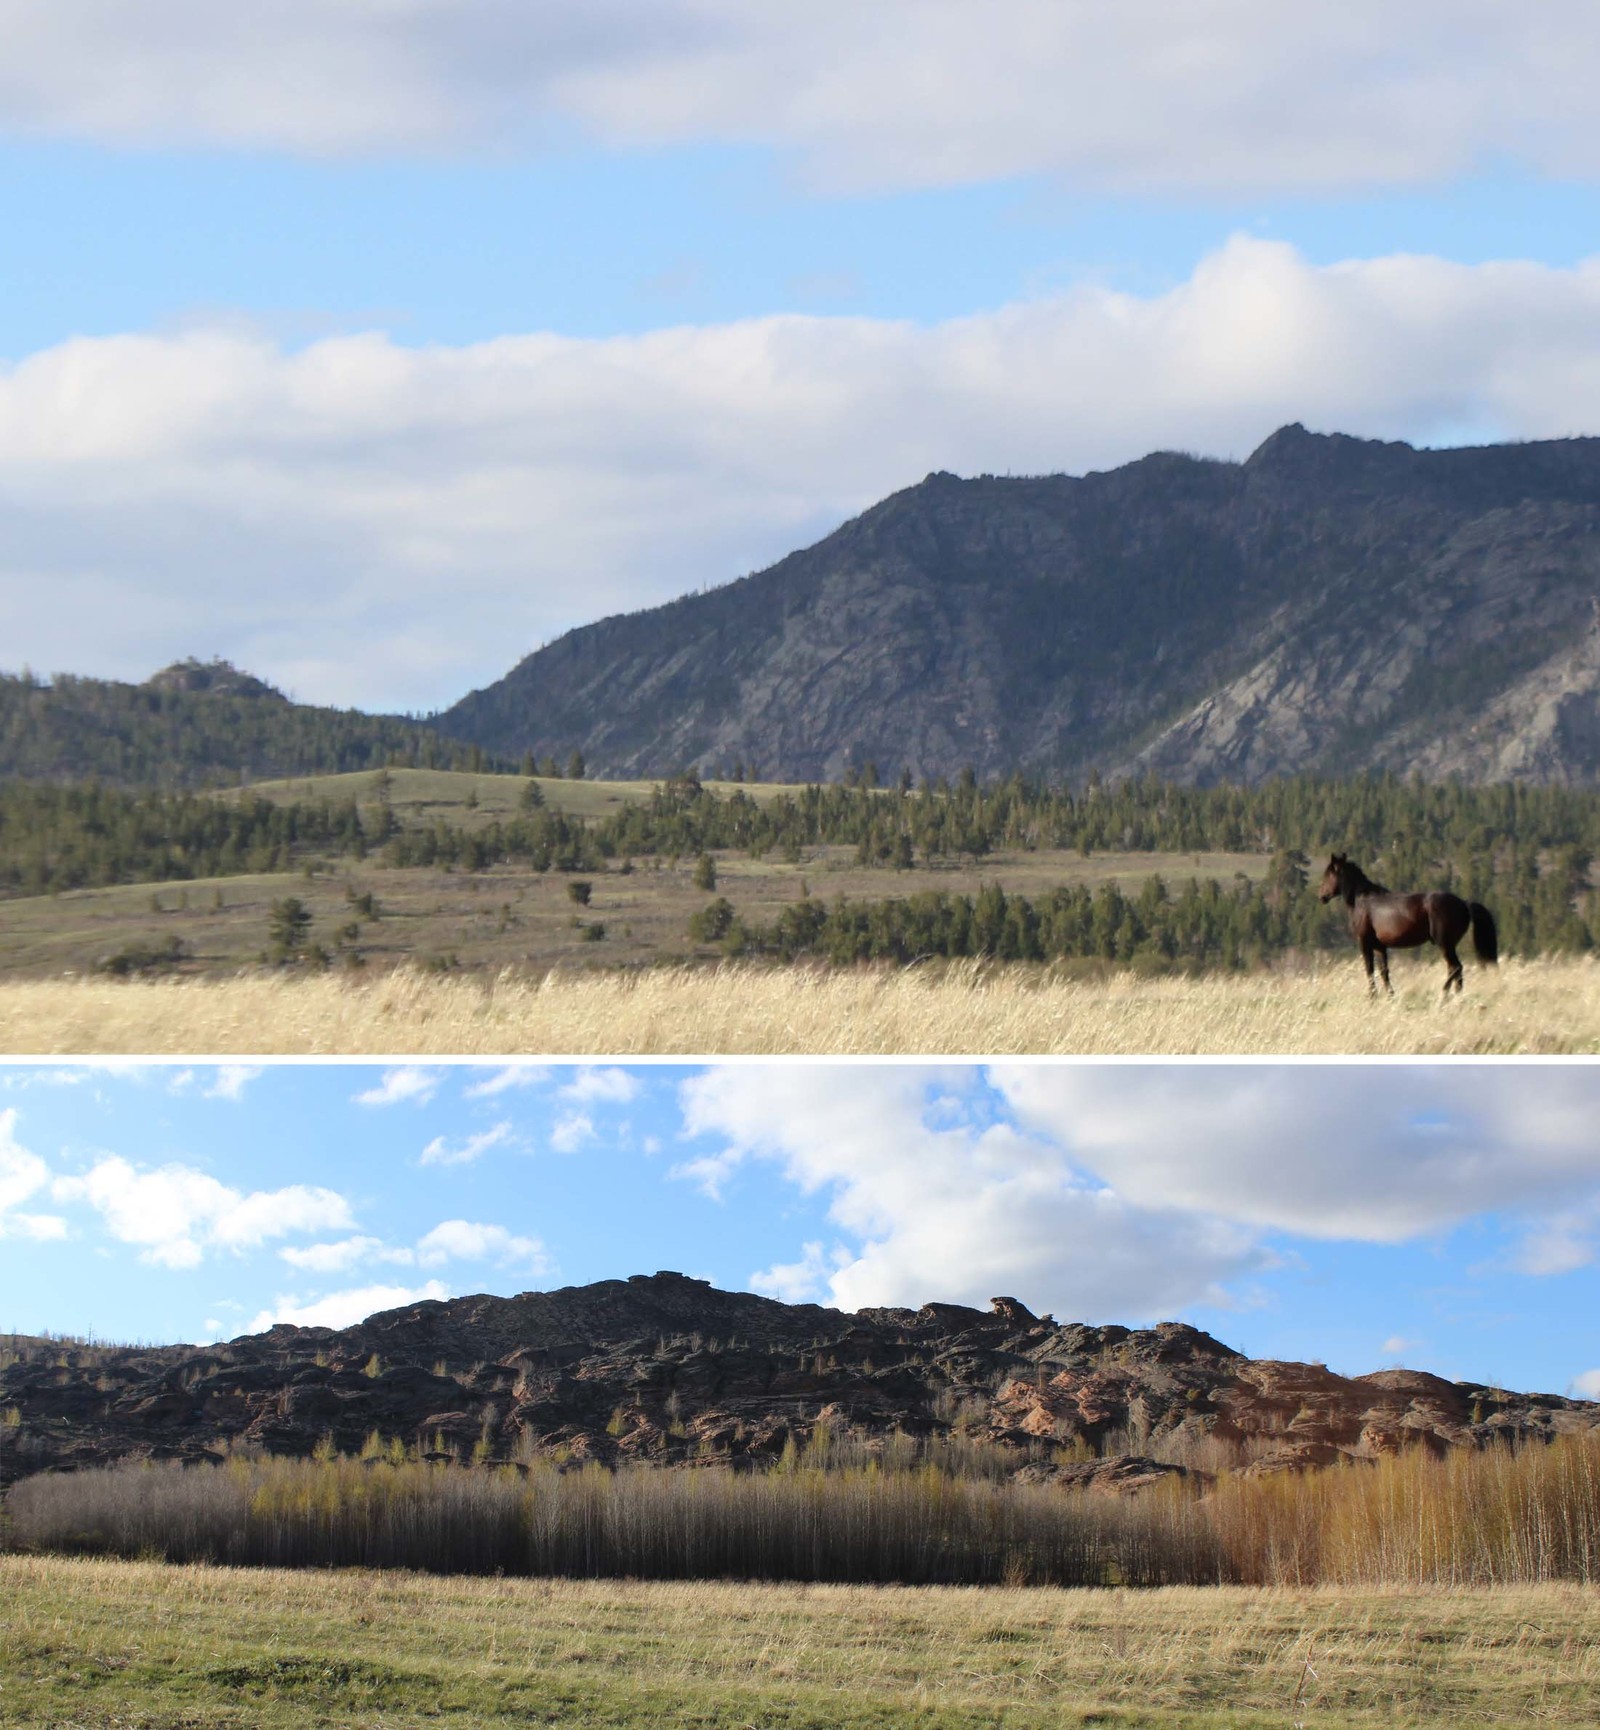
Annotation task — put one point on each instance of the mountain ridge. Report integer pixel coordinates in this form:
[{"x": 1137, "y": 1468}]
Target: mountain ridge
[
  {"x": 1330, "y": 604},
  {"x": 668, "y": 1370}
]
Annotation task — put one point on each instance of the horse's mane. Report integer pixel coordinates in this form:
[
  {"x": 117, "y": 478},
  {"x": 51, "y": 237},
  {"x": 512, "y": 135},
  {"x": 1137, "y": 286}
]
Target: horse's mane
[{"x": 1364, "y": 884}]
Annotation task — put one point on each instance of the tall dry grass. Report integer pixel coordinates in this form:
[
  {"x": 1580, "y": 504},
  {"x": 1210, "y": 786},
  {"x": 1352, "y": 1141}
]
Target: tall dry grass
[
  {"x": 966, "y": 1008},
  {"x": 1492, "y": 1517}
]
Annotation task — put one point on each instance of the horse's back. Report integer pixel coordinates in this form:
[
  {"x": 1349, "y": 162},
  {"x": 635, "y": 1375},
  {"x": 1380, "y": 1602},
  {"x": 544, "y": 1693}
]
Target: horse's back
[{"x": 1402, "y": 921}]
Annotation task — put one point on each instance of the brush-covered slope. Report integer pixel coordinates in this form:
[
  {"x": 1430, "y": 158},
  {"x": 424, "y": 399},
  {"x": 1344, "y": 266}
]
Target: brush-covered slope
[
  {"x": 1331, "y": 604},
  {"x": 667, "y": 1369}
]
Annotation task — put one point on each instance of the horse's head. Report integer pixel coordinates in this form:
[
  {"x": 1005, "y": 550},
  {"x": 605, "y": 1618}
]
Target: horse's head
[{"x": 1333, "y": 878}]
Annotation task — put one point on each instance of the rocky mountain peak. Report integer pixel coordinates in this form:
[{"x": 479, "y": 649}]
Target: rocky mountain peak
[{"x": 217, "y": 677}]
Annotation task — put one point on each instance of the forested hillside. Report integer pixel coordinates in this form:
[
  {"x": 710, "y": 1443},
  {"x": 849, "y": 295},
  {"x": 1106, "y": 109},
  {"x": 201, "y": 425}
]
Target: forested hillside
[{"x": 197, "y": 724}]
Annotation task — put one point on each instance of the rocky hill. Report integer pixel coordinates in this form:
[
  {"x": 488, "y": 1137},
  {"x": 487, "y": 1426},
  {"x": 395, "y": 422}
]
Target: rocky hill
[
  {"x": 666, "y": 1369},
  {"x": 1331, "y": 604},
  {"x": 195, "y": 723}
]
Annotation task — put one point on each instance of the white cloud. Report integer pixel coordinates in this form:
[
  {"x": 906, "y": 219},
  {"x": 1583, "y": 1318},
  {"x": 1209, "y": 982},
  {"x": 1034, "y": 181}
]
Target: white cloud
[
  {"x": 959, "y": 1211},
  {"x": 176, "y": 1214},
  {"x": 231, "y": 1079},
  {"x": 1381, "y": 1155},
  {"x": 408, "y": 1085},
  {"x": 451, "y": 1240},
  {"x": 22, "y": 1173},
  {"x": 1587, "y": 1385},
  {"x": 798, "y": 1282},
  {"x": 606, "y": 1086},
  {"x": 344, "y": 1309},
  {"x": 341, "y": 1256},
  {"x": 40, "y": 1227},
  {"x": 466, "y": 1240},
  {"x": 503, "y": 1080},
  {"x": 572, "y": 1132},
  {"x": 442, "y": 1151},
  {"x": 477, "y": 500},
  {"x": 1560, "y": 1244},
  {"x": 1398, "y": 1346},
  {"x": 60, "y": 1076},
  {"x": 1144, "y": 94}
]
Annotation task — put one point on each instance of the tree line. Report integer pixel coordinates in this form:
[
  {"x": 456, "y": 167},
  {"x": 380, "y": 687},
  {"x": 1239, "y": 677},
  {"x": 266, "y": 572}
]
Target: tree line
[
  {"x": 1410, "y": 823},
  {"x": 1200, "y": 925}
]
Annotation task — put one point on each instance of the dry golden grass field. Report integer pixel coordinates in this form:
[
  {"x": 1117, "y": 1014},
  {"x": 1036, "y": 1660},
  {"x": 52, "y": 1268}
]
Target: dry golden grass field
[
  {"x": 963, "y": 1008},
  {"x": 212, "y": 1647}
]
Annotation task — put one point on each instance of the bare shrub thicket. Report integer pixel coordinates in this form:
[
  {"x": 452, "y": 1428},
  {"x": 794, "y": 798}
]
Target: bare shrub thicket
[
  {"x": 1492, "y": 1517},
  {"x": 916, "y": 1526}
]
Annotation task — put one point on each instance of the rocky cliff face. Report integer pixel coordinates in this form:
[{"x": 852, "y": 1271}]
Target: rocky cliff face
[
  {"x": 668, "y": 1370},
  {"x": 1331, "y": 605}
]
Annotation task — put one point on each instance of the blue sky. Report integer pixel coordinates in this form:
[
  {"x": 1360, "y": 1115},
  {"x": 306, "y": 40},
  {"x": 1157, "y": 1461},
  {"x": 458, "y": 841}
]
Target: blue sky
[
  {"x": 373, "y": 345},
  {"x": 1447, "y": 1217}
]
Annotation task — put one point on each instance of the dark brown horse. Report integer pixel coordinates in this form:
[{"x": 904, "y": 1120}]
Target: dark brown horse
[{"x": 1381, "y": 920}]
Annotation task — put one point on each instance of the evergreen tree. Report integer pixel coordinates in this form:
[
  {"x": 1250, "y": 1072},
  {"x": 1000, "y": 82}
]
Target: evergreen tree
[{"x": 288, "y": 929}]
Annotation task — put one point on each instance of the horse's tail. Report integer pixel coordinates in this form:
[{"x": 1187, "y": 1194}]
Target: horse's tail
[{"x": 1484, "y": 937}]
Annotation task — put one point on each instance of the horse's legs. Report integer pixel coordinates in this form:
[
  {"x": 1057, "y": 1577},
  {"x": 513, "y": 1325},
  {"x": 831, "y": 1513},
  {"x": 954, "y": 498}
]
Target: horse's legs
[
  {"x": 1383, "y": 968},
  {"x": 1368, "y": 950},
  {"x": 1453, "y": 977}
]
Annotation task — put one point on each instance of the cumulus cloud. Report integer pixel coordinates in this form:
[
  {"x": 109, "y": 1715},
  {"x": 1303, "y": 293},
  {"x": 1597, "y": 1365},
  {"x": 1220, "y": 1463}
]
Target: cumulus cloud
[
  {"x": 1587, "y": 1384},
  {"x": 469, "y": 1240},
  {"x": 941, "y": 1205},
  {"x": 1383, "y": 1157},
  {"x": 604, "y": 1086},
  {"x": 450, "y": 1240},
  {"x": 572, "y": 1132},
  {"x": 176, "y": 1214},
  {"x": 1147, "y": 94},
  {"x": 231, "y": 1079},
  {"x": 443, "y": 1151},
  {"x": 802, "y": 1281},
  {"x": 1562, "y": 1243},
  {"x": 512, "y": 1075},
  {"x": 341, "y": 1256},
  {"x": 343, "y": 1309},
  {"x": 440, "y": 509},
  {"x": 23, "y": 1175},
  {"x": 408, "y": 1085}
]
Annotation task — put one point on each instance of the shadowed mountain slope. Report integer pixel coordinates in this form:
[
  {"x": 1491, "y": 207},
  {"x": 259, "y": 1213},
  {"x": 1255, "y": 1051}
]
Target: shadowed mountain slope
[
  {"x": 1331, "y": 604},
  {"x": 667, "y": 1369}
]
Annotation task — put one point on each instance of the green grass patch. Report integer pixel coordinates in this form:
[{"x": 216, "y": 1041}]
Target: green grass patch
[{"x": 219, "y": 1647}]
